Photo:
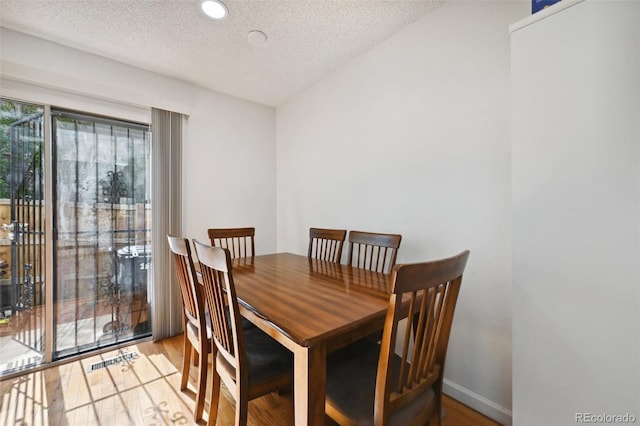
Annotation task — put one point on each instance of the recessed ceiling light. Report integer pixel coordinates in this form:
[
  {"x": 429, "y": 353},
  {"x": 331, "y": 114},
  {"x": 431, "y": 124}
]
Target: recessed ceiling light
[
  {"x": 257, "y": 37},
  {"x": 214, "y": 9}
]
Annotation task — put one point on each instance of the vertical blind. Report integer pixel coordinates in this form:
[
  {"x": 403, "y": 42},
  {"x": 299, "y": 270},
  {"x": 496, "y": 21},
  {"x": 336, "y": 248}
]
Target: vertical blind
[{"x": 166, "y": 153}]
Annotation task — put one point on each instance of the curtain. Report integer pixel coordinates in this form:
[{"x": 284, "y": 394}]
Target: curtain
[{"x": 166, "y": 205}]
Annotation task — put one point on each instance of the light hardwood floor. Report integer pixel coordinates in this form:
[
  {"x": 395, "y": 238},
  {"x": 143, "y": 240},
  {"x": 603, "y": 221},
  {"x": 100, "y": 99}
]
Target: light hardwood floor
[{"x": 143, "y": 391}]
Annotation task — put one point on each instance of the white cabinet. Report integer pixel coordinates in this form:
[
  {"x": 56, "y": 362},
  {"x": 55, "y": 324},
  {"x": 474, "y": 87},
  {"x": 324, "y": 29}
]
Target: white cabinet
[{"x": 576, "y": 212}]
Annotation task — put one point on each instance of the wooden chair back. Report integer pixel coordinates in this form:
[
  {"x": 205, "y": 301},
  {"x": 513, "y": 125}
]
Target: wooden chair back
[
  {"x": 239, "y": 241},
  {"x": 222, "y": 302},
  {"x": 192, "y": 297},
  {"x": 326, "y": 244},
  {"x": 374, "y": 252},
  {"x": 432, "y": 290}
]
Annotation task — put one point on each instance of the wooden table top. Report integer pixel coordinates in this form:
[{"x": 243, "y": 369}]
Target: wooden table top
[{"x": 309, "y": 300}]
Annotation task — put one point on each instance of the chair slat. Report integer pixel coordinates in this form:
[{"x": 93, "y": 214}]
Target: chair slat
[
  {"x": 239, "y": 241},
  {"x": 442, "y": 291},
  {"x": 405, "y": 347},
  {"x": 373, "y": 251},
  {"x": 326, "y": 244},
  {"x": 420, "y": 341}
]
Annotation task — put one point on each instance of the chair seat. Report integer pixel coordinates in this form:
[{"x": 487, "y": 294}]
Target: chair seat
[
  {"x": 267, "y": 360},
  {"x": 351, "y": 384},
  {"x": 246, "y": 324}
]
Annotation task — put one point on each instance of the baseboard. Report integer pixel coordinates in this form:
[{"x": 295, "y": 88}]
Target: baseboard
[{"x": 478, "y": 402}]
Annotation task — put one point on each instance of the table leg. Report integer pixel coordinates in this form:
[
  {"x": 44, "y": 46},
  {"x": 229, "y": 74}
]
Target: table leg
[{"x": 310, "y": 379}]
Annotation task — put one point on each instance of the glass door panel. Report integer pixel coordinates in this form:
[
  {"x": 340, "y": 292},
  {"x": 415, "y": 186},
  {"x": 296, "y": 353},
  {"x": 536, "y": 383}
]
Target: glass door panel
[
  {"x": 102, "y": 231},
  {"x": 22, "y": 242}
]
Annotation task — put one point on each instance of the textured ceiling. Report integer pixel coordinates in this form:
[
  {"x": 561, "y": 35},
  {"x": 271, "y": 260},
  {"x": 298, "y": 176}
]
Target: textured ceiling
[{"x": 307, "y": 39}]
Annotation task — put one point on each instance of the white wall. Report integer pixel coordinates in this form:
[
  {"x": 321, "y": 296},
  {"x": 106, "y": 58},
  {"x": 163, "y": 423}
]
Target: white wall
[
  {"x": 230, "y": 169},
  {"x": 576, "y": 147},
  {"x": 413, "y": 137},
  {"x": 223, "y": 134}
]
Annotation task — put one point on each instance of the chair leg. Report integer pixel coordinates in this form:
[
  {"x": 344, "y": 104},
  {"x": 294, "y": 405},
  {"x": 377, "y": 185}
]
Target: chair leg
[
  {"x": 215, "y": 396},
  {"x": 194, "y": 357},
  {"x": 202, "y": 384},
  {"x": 437, "y": 411},
  {"x": 242, "y": 406},
  {"x": 186, "y": 360}
]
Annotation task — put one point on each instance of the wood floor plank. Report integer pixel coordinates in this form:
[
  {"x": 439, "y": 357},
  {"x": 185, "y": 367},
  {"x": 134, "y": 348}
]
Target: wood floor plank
[{"x": 145, "y": 391}]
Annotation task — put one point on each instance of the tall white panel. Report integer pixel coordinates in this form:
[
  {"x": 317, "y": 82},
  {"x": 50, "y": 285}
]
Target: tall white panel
[{"x": 575, "y": 200}]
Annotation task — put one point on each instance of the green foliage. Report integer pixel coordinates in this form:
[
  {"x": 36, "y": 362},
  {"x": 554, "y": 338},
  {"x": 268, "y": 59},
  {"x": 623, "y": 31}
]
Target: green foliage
[
  {"x": 5, "y": 153},
  {"x": 10, "y": 112}
]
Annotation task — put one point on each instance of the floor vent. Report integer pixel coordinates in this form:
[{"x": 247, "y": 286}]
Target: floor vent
[{"x": 112, "y": 361}]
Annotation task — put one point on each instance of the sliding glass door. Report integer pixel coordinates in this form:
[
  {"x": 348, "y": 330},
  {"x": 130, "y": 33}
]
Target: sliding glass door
[
  {"x": 102, "y": 232},
  {"x": 75, "y": 233}
]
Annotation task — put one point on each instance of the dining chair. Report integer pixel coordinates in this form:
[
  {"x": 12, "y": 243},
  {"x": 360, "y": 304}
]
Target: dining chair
[
  {"x": 197, "y": 335},
  {"x": 369, "y": 384},
  {"x": 326, "y": 244},
  {"x": 249, "y": 362},
  {"x": 373, "y": 251},
  {"x": 239, "y": 241}
]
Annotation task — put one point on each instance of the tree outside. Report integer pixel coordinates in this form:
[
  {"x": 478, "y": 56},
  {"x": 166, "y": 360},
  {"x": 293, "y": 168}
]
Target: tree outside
[{"x": 10, "y": 113}]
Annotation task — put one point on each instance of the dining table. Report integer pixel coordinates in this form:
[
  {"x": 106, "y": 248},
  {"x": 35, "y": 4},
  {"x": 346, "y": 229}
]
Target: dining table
[{"x": 312, "y": 307}]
